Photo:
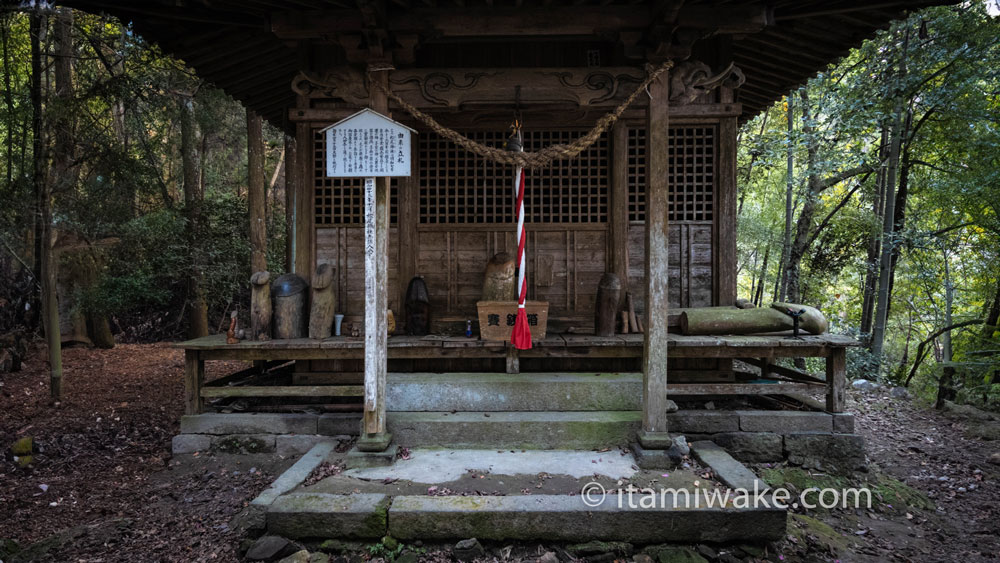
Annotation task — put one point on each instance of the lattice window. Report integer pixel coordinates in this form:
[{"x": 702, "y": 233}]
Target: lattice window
[
  {"x": 691, "y": 168},
  {"x": 340, "y": 201},
  {"x": 459, "y": 187}
]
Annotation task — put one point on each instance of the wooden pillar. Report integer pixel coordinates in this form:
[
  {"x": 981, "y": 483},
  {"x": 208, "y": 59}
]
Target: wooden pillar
[
  {"x": 304, "y": 207},
  {"x": 406, "y": 230},
  {"x": 836, "y": 369},
  {"x": 194, "y": 377},
  {"x": 618, "y": 246},
  {"x": 256, "y": 195},
  {"x": 374, "y": 437},
  {"x": 292, "y": 170},
  {"x": 653, "y": 434},
  {"x": 725, "y": 221}
]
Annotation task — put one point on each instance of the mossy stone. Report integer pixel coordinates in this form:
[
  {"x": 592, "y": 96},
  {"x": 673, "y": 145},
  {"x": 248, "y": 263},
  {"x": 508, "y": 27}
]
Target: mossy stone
[{"x": 22, "y": 447}]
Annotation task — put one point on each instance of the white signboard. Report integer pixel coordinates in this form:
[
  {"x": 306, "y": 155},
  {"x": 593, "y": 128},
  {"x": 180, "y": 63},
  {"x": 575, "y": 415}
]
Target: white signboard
[{"x": 367, "y": 144}]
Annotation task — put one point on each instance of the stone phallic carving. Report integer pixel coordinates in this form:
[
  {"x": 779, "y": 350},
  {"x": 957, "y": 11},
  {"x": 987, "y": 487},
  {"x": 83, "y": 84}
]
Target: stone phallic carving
[
  {"x": 346, "y": 83},
  {"x": 693, "y": 79}
]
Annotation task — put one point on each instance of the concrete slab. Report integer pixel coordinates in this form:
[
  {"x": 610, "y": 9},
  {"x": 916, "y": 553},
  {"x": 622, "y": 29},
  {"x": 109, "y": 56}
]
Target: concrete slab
[
  {"x": 249, "y": 423},
  {"x": 784, "y": 422},
  {"x": 244, "y": 443},
  {"x": 431, "y": 466},
  {"x": 357, "y": 458},
  {"x": 731, "y": 472},
  {"x": 569, "y": 518},
  {"x": 296, "y": 474},
  {"x": 493, "y": 392},
  {"x": 319, "y": 515},
  {"x": 581, "y": 430}
]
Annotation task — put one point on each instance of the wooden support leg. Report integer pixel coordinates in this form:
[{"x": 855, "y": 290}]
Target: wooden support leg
[
  {"x": 836, "y": 368},
  {"x": 194, "y": 377},
  {"x": 653, "y": 434},
  {"x": 373, "y": 432},
  {"x": 513, "y": 360}
]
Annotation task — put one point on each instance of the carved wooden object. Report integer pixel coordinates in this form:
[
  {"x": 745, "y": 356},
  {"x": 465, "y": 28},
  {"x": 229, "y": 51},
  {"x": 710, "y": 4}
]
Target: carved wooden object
[
  {"x": 324, "y": 302},
  {"x": 606, "y": 310},
  {"x": 260, "y": 306}
]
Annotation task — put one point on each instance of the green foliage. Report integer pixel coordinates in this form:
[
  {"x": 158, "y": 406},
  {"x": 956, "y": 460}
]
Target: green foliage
[{"x": 950, "y": 229}]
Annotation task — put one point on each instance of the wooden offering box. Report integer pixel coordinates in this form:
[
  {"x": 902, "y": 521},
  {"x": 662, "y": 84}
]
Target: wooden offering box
[{"x": 496, "y": 319}]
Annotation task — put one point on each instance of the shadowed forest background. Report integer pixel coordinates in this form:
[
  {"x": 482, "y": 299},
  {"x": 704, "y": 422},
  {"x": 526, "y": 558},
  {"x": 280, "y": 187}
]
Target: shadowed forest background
[{"x": 872, "y": 192}]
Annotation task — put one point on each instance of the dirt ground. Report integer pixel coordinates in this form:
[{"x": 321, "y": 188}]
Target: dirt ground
[{"x": 103, "y": 486}]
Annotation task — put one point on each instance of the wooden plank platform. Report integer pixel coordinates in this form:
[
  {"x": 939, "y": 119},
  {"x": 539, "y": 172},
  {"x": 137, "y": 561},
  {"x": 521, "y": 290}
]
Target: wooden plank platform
[{"x": 761, "y": 348}]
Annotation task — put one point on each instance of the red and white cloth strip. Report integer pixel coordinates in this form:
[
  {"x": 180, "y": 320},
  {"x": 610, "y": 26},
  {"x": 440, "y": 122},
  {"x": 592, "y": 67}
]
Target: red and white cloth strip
[{"x": 521, "y": 335}]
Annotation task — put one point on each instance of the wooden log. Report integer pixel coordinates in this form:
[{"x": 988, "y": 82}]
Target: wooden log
[
  {"x": 730, "y": 320},
  {"x": 498, "y": 282},
  {"x": 260, "y": 306},
  {"x": 324, "y": 302},
  {"x": 609, "y": 292},
  {"x": 624, "y": 315},
  {"x": 812, "y": 321},
  {"x": 288, "y": 294}
]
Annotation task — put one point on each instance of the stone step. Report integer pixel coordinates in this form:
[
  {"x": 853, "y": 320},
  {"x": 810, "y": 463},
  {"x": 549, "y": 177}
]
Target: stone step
[
  {"x": 548, "y": 430},
  {"x": 518, "y": 517},
  {"x": 494, "y": 392}
]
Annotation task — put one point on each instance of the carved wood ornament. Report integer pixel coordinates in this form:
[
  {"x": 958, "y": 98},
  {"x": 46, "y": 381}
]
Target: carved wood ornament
[
  {"x": 691, "y": 80},
  {"x": 475, "y": 88}
]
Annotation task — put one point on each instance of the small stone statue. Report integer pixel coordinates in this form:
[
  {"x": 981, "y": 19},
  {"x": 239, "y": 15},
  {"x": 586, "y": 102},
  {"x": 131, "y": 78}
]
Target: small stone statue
[{"x": 418, "y": 308}]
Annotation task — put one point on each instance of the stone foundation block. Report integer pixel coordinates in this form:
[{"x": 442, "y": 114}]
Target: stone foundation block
[
  {"x": 752, "y": 447},
  {"x": 339, "y": 424},
  {"x": 836, "y": 453},
  {"x": 704, "y": 422},
  {"x": 569, "y": 518},
  {"x": 244, "y": 443},
  {"x": 784, "y": 422},
  {"x": 317, "y": 515},
  {"x": 191, "y": 443},
  {"x": 249, "y": 423},
  {"x": 843, "y": 423},
  {"x": 298, "y": 444}
]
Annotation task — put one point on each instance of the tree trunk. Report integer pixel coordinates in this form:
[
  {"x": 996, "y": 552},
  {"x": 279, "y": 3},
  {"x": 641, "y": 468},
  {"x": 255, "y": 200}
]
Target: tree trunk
[
  {"x": 763, "y": 276},
  {"x": 8, "y": 94},
  {"x": 786, "y": 241},
  {"x": 193, "y": 197},
  {"x": 43, "y": 202},
  {"x": 946, "y": 385},
  {"x": 882, "y": 310},
  {"x": 899, "y": 207},
  {"x": 257, "y": 196},
  {"x": 874, "y": 242}
]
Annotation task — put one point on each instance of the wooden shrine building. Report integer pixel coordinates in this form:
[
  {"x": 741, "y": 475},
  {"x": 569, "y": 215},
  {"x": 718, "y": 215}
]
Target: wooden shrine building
[{"x": 652, "y": 200}]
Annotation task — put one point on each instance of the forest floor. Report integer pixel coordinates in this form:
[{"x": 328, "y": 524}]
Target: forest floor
[{"x": 103, "y": 486}]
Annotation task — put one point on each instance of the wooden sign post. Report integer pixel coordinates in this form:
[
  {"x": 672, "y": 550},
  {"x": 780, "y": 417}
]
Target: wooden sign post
[{"x": 369, "y": 145}]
